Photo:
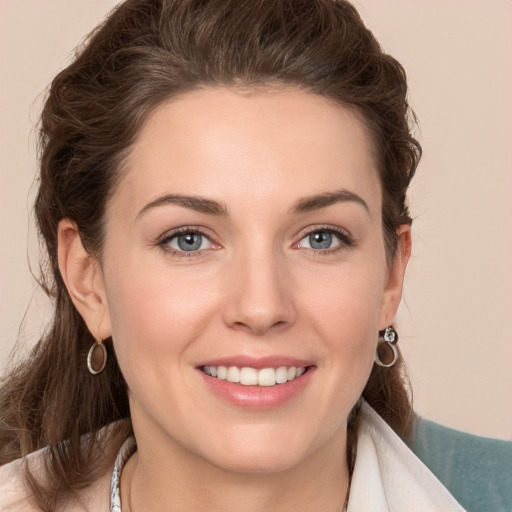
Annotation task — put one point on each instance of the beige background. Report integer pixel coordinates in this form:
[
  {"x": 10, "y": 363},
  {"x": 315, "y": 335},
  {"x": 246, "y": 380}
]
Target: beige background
[{"x": 456, "y": 320}]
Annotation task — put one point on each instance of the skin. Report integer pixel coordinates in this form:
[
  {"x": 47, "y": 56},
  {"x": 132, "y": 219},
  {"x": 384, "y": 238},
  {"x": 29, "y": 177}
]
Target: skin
[{"x": 255, "y": 288}]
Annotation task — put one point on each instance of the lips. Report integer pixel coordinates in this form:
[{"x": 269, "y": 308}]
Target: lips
[{"x": 257, "y": 383}]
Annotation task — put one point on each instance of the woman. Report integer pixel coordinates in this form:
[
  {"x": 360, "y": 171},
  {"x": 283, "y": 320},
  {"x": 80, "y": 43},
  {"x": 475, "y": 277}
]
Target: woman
[{"x": 223, "y": 200}]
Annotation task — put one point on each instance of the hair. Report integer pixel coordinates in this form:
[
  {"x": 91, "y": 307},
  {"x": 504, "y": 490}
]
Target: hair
[{"x": 145, "y": 53}]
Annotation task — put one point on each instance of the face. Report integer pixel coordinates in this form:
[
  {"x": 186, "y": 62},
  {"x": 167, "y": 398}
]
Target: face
[{"x": 245, "y": 243}]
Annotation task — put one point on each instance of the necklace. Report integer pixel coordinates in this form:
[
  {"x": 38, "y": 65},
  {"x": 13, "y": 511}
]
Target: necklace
[{"x": 127, "y": 449}]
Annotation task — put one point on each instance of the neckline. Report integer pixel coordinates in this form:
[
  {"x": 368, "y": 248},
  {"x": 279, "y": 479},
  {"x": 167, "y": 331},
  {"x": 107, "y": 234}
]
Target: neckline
[{"x": 128, "y": 448}]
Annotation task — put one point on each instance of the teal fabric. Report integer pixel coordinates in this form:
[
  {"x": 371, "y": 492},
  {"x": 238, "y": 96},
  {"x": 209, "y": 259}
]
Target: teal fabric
[{"x": 476, "y": 470}]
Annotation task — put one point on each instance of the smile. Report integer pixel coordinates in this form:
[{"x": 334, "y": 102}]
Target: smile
[{"x": 248, "y": 376}]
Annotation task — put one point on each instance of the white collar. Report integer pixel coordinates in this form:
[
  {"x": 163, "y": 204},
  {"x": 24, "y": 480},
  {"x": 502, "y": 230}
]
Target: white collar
[{"x": 389, "y": 477}]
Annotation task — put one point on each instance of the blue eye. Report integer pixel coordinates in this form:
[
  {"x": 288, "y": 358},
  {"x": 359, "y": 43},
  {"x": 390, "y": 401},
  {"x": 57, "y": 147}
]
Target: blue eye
[
  {"x": 320, "y": 240},
  {"x": 188, "y": 241},
  {"x": 324, "y": 239}
]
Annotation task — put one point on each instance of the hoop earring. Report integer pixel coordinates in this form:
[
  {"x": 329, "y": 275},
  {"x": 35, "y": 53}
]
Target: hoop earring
[
  {"x": 97, "y": 357},
  {"x": 386, "y": 354}
]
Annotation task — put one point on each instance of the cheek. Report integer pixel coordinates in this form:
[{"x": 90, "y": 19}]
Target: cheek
[
  {"x": 155, "y": 315},
  {"x": 344, "y": 313},
  {"x": 347, "y": 300}
]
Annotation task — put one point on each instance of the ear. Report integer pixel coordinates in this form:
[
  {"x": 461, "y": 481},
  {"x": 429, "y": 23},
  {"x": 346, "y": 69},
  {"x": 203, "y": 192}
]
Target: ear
[
  {"x": 395, "y": 278},
  {"x": 84, "y": 280}
]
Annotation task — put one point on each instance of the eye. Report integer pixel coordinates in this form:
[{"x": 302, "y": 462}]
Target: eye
[
  {"x": 325, "y": 240},
  {"x": 186, "y": 241}
]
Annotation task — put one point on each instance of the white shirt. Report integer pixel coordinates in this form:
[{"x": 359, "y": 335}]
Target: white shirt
[{"x": 388, "y": 477}]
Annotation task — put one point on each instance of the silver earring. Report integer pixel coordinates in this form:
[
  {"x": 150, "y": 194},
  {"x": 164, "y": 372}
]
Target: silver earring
[
  {"x": 97, "y": 357},
  {"x": 386, "y": 354}
]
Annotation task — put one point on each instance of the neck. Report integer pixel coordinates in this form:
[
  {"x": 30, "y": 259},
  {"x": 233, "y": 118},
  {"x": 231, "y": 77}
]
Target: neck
[{"x": 183, "y": 481}]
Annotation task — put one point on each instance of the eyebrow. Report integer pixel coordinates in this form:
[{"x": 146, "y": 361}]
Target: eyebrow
[
  {"x": 315, "y": 202},
  {"x": 197, "y": 203},
  {"x": 212, "y": 207}
]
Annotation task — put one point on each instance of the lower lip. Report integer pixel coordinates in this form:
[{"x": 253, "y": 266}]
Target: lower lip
[{"x": 257, "y": 397}]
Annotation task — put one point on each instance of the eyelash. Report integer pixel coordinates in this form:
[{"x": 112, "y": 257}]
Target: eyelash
[
  {"x": 346, "y": 241},
  {"x": 174, "y": 234}
]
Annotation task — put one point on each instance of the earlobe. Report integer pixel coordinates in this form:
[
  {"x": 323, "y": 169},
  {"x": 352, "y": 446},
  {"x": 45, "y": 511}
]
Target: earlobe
[
  {"x": 84, "y": 281},
  {"x": 395, "y": 278}
]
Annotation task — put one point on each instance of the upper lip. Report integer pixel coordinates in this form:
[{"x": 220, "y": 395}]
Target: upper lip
[{"x": 258, "y": 363}]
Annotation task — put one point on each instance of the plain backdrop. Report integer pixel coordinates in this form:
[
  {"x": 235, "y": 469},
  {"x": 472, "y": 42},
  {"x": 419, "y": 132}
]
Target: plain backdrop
[{"x": 455, "y": 322}]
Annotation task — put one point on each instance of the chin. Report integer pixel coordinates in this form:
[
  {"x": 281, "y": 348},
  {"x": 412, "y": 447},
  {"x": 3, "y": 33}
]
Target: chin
[
  {"x": 259, "y": 454},
  {"x": 257, "y": 463}
]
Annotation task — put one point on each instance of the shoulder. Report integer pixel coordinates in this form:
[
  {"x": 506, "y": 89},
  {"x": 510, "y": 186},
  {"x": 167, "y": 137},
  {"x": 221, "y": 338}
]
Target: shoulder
[
  {"x": 14, "y": 492},
  {"x": 16, "y": 496},
  {"x": 476, "y": 470}
]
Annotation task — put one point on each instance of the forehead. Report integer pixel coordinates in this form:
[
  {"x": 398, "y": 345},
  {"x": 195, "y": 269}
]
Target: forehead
[{"x": 266, "y": 146}]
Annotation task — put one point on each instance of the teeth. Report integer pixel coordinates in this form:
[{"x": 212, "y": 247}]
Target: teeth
[
  {"x": 251, "y": 377},
  {"x": 266, "y": 377},
  {"x": 281, "y": 375},
  {"x": 233, "y": 374}
]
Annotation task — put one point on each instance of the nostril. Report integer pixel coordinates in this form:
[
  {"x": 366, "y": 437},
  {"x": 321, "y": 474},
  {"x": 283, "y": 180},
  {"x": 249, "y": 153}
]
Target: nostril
[{"x": 260, "y": 328}]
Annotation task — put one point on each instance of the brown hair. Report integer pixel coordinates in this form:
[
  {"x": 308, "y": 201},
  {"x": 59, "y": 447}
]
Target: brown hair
[{"x": 146, "y": 52}]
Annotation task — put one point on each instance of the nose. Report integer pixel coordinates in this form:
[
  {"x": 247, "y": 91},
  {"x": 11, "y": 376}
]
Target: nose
[{"x": 259, "y": 294}]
